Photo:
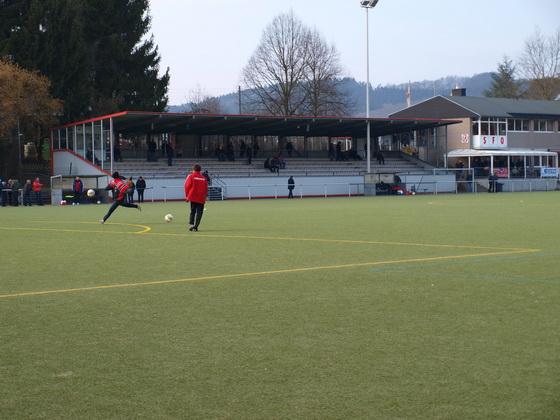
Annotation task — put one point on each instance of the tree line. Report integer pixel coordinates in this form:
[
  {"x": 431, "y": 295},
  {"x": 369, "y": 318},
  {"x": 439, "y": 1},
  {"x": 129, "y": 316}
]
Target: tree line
[
  {"x": 74, "y": 60},
  {"x": 536, "y": 74}
]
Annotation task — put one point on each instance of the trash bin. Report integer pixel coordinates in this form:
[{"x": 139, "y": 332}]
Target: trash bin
[{"x": 499, "y": 186}]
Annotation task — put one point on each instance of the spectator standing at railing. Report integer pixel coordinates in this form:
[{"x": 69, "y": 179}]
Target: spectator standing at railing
[
  {"x": 140, "y": 187},
  {"x": 4, "y": 194},
  {"x": 27, "y": 190},
  {"x": 77, "y": 189},
  {"x": 459, "y": 172},
  {"x": 38, "y": 189},
  {"x": 289, "y": 148},
  {"x": 493, "y": 183},
  {"x": 15, "y": 192},
  {"x": 8, "y": 189},
  {"x": 131, "y": 188}
]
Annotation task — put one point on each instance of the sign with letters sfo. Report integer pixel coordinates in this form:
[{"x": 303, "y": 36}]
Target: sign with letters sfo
[{"x": 489, "y": 142}]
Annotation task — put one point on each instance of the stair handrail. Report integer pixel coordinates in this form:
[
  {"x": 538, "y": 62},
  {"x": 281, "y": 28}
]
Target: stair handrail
[{"x": 217, "y": 181}]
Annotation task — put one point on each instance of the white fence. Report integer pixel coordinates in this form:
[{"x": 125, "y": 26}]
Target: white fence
[{"x": 172, "y": 189}]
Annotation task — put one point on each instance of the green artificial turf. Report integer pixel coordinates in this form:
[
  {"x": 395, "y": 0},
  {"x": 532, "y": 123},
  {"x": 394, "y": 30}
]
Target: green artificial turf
[{"x": 439, "y": 307}]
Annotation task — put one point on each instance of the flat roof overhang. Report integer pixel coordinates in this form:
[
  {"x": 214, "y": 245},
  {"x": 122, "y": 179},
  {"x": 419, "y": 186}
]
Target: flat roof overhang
[
  {"x": 135, "y": 122},
  {"x": 505, "y": 152}
]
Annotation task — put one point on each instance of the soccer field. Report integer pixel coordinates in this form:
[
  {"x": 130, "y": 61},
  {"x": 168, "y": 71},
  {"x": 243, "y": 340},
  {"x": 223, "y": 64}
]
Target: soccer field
[{"x": 405, "y": 307}]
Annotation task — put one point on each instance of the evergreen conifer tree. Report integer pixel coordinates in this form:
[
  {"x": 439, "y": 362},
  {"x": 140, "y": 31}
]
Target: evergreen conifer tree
[
  {"x": 504, "y": 84},
  {"x": 94, "y": 52}
]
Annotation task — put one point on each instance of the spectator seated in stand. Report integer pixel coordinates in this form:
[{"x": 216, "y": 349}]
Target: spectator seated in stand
[
  {"x": 279, "y": 161},
  {"x": 270, "y": 165},
  {"x": 353, "y": 154}
]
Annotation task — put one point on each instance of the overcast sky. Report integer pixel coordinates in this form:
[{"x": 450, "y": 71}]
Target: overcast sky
[{"x": 206, "y": 43}]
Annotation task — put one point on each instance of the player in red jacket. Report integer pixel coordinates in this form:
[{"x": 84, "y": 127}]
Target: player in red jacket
[
  {"x": 120, "y": 190},
  {"x": 196, "y": 190}
]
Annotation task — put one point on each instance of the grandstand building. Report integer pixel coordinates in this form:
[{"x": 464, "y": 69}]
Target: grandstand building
[
  {"x": 327, "y": 155},
  {"x": 512, "y": 138}
]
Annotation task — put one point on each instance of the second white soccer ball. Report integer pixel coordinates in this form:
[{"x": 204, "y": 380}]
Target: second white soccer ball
[{"x": 168, "y": 218}]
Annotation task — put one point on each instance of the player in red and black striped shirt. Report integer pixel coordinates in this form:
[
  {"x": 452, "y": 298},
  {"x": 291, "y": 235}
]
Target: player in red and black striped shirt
[{"x": 120, "y": 189}]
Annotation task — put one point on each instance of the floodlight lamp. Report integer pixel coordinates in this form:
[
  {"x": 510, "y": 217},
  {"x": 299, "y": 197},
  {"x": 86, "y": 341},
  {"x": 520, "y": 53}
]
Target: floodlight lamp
[{"x": 368, "y": 3}]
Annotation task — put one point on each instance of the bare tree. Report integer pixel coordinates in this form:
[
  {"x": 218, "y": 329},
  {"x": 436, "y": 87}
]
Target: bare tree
[
  {"x": 201, "y": 103},
  {"x": 292, "y": 71},
  {"x": 540, "y": 64},
  {"x": 324, "y": 88}
]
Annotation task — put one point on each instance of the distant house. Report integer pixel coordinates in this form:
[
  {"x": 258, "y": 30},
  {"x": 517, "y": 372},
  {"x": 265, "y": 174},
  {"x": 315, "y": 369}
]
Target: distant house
[{"x": 508, "y": 137}]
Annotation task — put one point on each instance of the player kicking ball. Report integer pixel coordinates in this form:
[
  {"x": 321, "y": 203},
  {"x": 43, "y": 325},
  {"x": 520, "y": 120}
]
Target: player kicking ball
[{"x": 120, "y": 190}]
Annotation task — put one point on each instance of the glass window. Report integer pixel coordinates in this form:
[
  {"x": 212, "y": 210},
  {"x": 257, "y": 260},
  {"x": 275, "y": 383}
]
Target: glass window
[
  {"x": 502, "y": 128},
  {"x": 517, "y": 125},
  {"x": 475, "y": 127},
  {"x": 543, "y": 125}
]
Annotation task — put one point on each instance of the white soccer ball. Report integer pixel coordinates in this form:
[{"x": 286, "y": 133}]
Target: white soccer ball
[
  {"x": 91, "y": 193},
  {"x": 168, "y": 218}
]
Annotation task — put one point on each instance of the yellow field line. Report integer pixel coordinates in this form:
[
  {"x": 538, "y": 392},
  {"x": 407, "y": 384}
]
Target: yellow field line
[
  {"x": 145, "y": 228},
  {"x": 293, "y": 270},
  {"x": 148, "y": 231}
]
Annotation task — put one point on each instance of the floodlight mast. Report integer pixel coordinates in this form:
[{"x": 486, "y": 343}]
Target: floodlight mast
[{"x": 368, "y": 4}]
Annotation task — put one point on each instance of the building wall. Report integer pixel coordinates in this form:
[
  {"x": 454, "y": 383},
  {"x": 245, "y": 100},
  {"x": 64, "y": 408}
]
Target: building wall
[
  {"x": 531, "y": 140},
  {"x": 516, "y": 139},
  {"x": 455, "y": 132}
]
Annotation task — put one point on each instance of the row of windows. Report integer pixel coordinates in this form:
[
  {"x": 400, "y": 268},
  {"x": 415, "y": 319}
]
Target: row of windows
[
  {"x": 524, "y": 125},
  {"x": 497, "y": 126}
]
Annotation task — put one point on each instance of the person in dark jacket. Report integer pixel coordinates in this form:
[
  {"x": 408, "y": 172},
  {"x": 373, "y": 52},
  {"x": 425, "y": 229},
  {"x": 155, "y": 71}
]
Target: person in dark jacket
[
  {"x": 27, "y": 190},
  {"x": 170, "y": 154},
  {"x": 77, "y": 189},
  {"x": 140, "y": 187},
  {"x": 4, "y": 186},
  {"x": 15, "y": 192},
  {"x": 291, "y": 186}
]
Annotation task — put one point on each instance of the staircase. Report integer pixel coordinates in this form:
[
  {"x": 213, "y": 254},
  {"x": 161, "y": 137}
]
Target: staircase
[{"x": 215, "y": 193}]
